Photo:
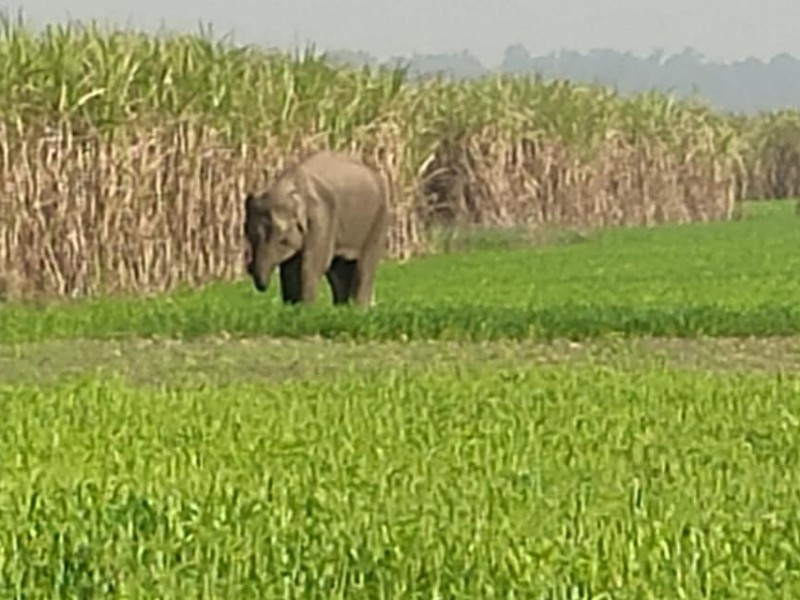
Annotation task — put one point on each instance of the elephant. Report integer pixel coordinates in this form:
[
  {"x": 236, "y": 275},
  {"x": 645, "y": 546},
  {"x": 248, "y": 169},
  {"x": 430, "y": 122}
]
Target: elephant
[{"x": 328, "y": 215}]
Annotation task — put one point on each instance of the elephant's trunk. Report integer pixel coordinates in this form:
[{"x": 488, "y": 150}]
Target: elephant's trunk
[{"x": 261, "y": 275}]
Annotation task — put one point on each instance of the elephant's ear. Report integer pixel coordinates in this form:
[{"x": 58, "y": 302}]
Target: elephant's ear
[
  {"x": 314, "y": 191},
  {"x": 302, "y": 196},
  {"x": 300, "y": 211}
]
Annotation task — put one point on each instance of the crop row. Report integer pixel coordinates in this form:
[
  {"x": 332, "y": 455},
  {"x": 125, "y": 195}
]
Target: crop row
[
  {"x": 462, "y": 323},
  {"x": 550, "y": 483},
  {"x": 729, "y": 279}
]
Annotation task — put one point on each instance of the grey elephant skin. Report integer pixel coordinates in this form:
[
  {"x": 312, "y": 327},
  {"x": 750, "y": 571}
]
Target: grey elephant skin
[{"x": 328, "y": 215}]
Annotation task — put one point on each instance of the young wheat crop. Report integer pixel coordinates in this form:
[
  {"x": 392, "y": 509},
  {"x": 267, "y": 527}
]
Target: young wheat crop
[{"x": 545, "y": 483}]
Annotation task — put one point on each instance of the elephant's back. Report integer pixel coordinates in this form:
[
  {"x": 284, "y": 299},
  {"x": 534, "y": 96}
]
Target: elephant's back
[{"x": 345, "y": 175}]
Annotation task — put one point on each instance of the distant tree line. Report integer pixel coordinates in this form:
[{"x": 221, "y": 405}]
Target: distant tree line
[{"x": 746, "y": 86}]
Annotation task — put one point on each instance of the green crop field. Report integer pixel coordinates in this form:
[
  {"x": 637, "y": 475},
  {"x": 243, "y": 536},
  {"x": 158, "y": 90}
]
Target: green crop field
[
  {"x": 723, "y": 279},
  {"x": 609, "y": 415},
  {"x": 582, "y": 409},
  {"x": 535, "y": 483}
]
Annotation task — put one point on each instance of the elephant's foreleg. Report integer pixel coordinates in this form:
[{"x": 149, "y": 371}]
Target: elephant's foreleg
[
  {"x": 317, "y": 257},
  {"x": 291, "y": 281}
]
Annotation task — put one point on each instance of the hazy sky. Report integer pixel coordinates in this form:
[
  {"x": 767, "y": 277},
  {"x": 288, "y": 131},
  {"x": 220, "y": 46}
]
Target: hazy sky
[{"x": 720, "y": 29}]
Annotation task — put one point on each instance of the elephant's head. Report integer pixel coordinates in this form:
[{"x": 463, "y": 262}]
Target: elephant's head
[{"x": 275, "y": 226}]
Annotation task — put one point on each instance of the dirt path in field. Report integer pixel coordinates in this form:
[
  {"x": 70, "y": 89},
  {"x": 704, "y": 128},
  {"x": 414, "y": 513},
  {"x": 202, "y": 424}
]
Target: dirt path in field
[{"x": 217, "y": 360}]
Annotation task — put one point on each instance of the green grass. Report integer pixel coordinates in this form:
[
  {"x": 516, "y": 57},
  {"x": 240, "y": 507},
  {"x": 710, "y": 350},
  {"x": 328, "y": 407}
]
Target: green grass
[
  {"x": 722, "y": 279},
  {"x": 392, "y": 467},
  {"x": 538, "y": 483}
]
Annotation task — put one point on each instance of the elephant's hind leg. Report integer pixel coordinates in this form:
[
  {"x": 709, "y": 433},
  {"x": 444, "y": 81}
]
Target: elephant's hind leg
[
  {"x": 340, "y": 276},
  {"x": 363, "y": 288}
]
